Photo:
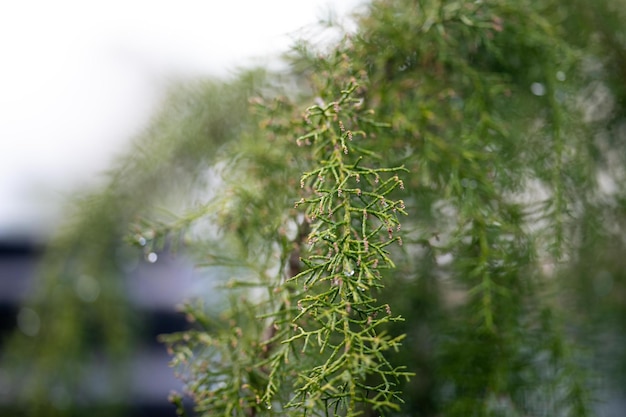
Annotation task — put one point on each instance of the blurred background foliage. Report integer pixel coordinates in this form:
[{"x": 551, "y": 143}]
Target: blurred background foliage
[{"x": 509, "y": 116}]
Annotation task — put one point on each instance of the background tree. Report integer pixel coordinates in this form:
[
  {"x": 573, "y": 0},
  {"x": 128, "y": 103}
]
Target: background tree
[
  {"x": 48, "y": 372},
  {"x": 508, "y": 119}
]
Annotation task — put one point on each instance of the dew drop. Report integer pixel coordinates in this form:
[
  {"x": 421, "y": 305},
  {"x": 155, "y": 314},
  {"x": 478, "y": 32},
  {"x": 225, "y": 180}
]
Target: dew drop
[
  {"x": 348, "y": 268},
  {"x": 538, "y": 89},
  {"x": 142, "y": 241},
  {"x": 152, "y": 257}
]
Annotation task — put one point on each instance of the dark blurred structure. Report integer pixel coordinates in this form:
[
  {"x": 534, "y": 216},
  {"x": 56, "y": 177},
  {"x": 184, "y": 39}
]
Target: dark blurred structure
[{"x": 153, "y": 288}]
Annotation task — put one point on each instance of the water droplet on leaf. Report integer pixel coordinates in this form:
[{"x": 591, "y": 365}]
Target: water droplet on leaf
[
  {"x": 348, "y": 268},
  {"x": 538, "y": 89}
]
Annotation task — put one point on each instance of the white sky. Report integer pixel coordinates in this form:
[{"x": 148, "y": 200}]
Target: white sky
[{"x": 79, "y": 78}]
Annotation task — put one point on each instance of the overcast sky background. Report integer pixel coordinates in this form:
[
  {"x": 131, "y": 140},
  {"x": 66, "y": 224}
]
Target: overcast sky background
[{"x": 79, "y": 78}]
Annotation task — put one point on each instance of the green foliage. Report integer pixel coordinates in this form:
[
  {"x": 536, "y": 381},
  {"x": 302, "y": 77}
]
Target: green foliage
[
  {"x": 479, "y": 126},
  {"x": 324, "y": 342},
  {"x": 351, "y": 214},
  {"x": 483, "y": 122}
]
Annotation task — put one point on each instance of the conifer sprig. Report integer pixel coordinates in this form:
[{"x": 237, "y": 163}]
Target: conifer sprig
[{"x": 353, "y": 221}]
